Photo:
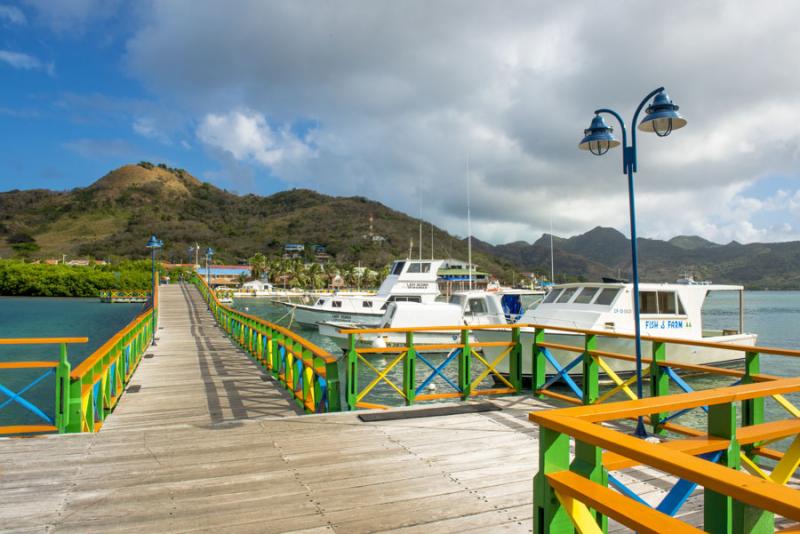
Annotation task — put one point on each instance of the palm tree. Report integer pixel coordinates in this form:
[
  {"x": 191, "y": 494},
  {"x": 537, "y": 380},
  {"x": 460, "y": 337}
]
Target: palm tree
[{"x": 258, "y": 264}]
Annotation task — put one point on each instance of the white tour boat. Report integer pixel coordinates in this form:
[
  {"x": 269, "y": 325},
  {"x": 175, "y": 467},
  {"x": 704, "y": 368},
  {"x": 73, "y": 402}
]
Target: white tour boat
[
  {"x": 462, "y": 308},
  {"x": 666, "y": 311},
  {"x": 408, "y": 281}
]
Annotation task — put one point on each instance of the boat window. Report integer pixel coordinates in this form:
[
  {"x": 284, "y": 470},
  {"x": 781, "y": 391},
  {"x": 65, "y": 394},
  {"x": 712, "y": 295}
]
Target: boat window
[
  {"x": 419, "y": 268},
  {"x": 320, "y": 302},
  {"x": 336, "y": 304},
  {"x": 648, "y": 302},
  {"x": 552, "y": 296},
  {"x": 666, "y": 302},
  {"x": 566, "y": 295},
  {"x": 387, "y": 323},
  {"x": 366, "y": 304},
  {"x": 398, "y": 267},
  {"x": 681, "y": 311},
  {"x": 477, "y": 307},
  {"x": 457, "y": 299},
  {"x": 607, "y": 296},
  {"x": 586, "y": 295}
]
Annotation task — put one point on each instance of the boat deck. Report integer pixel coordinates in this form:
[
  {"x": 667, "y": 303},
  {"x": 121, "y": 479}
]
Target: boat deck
[{"x": 209, "y": 442}]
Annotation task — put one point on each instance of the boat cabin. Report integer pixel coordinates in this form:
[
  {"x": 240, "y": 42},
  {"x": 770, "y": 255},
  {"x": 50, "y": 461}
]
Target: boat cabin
[{"x": 665, "y": 310}]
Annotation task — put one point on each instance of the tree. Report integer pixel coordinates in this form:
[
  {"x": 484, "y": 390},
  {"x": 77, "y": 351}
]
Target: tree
[{"x": 258, "y": 264}]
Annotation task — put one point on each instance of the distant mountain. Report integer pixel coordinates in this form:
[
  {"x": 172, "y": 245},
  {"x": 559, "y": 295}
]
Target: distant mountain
[
  {"x": 606, "y": 252},
  {"x": 115, "y": 215}
]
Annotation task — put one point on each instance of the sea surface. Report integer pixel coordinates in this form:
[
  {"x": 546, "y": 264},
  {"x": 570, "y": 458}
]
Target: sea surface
[{"x": 26, "y": 317}]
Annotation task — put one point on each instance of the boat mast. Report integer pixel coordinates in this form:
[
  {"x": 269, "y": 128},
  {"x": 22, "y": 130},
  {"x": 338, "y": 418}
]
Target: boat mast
[
  {"x": 469, "y": 229},
  {"x": 552, "y": 263},
  {"x": 419, "y": 195}
]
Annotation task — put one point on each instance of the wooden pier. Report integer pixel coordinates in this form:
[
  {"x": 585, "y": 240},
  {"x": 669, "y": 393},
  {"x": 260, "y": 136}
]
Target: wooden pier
[{"x": 204, "y": 439}]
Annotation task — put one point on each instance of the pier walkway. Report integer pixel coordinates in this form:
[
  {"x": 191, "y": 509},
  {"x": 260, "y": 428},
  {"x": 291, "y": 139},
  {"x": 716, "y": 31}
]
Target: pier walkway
[{"x": 206, "y": 441}]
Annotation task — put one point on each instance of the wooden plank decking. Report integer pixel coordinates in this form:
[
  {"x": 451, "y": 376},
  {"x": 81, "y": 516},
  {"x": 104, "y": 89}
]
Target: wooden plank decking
[{"x": 207, "y": 443}]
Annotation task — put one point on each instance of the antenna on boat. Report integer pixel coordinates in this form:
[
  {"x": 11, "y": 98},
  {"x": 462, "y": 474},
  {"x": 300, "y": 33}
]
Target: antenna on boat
[
  {"x": 552, "y": 263},
  {"x": 469, "y": 229},
  {"x": 419, "y": 195},
  {"x": 431, "y": 241}
]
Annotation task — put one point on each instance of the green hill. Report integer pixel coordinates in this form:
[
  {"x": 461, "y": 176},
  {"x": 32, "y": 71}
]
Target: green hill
[{"x": 114, "y": 217}]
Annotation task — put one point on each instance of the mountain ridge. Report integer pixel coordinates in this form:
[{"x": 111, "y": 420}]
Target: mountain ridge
[{"x": 114, "y": 215}]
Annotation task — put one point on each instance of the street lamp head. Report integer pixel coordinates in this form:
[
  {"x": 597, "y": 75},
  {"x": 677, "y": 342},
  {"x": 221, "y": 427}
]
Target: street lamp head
[
  {"x": 154, "y": 242},
  {"x": 209, "y": 251},
  {"x": 662, "y": 116},
  {"x": 598, "y": 137}
]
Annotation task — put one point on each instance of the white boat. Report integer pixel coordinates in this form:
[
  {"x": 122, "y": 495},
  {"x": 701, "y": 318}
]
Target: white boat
[
  {"x": 408, "y": 281},
  {"x": 462, "y": 308},
  {"x": 666, "y": 311}
]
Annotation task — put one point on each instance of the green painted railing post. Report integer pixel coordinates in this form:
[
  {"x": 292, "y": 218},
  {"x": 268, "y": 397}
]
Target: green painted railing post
[
  {"x": 351, "y": 374},
  {"x": 410, "y": 370},
  {"x": 334, "y": 391},
  {"x": 515, "y": 360},
  {"x": 548, "y": 514},
  {"x": 73, "y": 420},
  {"x": 591, "y": 371},
  {"x": 538, "y": 363},
  {"x": 276, "y": 355},
  {"x": 718, "y": 508},
  {"x": 659, "y": 383},
  {"x": 588, "y": 463},
  {"x": 748, "y": 518},
  {"x": 62, "y": 390},
  {"x": 465, "y": 366},
  {"x": 308, "y": 387}
]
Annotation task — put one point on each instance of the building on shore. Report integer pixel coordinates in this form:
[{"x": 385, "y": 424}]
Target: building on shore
[{"x": 454, "y": 275}]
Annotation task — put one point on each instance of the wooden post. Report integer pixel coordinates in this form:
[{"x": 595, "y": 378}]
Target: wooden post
[
  {"x": 548, "y": 514},
  {"x": 659, "y": 382},
  {"x": 515, "y": 361},
  {"x": 410, "y": 370},
  {"x": 465, "y": 366},
  {"x": 588, "y": 463},
  {"x": 718, "y": 508},
  {"x": 538, "y": 363},
  {"x": 351, "y": 376},
  {"x": 591, "y": 372},
  {"x": 62, "y": 391}
]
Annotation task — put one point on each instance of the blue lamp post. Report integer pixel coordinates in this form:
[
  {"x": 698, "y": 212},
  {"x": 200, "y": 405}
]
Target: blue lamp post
[
  {"x": 154, "y": 244},
  {"x": 209, "y": 253},
  {"x": 662, "y": 118}
]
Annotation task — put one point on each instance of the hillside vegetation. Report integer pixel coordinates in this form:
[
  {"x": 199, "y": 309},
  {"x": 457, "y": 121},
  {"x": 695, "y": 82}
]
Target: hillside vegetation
[{"x": 113, "y": 218}]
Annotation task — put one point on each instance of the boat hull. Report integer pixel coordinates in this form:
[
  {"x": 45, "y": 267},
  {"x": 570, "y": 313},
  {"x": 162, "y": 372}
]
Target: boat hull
[
  {"x": 675, "y": 353},
  {"x": 311, "y": 317},
  {"x": 390, "y": 339}
]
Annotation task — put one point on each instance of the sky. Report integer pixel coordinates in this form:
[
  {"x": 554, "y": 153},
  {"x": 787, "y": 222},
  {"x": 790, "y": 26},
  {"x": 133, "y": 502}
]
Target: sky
[{"x": 408, "y": 102}]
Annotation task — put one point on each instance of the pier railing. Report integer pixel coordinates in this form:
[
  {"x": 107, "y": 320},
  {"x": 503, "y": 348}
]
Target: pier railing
[
  {"x": 578, "y": 373},
  {"x": 82, "y": 396},
  {"x": 571, "y": 491},
  {"x": 126, "y": 296},
  {"x": 460, "y": 366},
  {"x": 308, "y": 372}
]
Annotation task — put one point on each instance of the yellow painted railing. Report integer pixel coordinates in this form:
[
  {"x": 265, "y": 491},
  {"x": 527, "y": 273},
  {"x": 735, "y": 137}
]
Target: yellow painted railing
[
  {"x": 85, "y": 395},
  {"x": 571, "y": 490},
  {"x": 308, "y": 372}
]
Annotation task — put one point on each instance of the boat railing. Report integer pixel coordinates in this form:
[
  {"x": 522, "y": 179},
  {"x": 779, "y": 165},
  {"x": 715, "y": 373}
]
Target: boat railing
[
  {"x": 586, "y": 451},
  {"x": 83, "y": 396},
  {"x": 308, "y": 372}
]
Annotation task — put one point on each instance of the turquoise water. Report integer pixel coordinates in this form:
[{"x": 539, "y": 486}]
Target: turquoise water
[{"x": 50, "y": 317}]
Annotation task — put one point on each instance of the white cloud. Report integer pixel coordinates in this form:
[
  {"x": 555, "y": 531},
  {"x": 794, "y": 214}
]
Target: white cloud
[
  {"x": 13, "y": 15},
  {"x": 246, "y": 135},
  {"x": 22, "y": 61},
  {"x": 72, "y": 16},
  {"x": 149, "y": 127},
  {"x": 404, "y": 92}
]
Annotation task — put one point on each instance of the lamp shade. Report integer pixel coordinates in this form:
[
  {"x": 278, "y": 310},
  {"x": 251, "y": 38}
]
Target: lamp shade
[
  {"x": 662, "y": 116},
  {"x": 154, "y": 242},
  {"x": 598, "y": 137}
]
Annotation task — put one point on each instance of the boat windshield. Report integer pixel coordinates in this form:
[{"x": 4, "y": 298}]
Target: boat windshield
[
  {"x": 550, "y": 298},
  {"x": 586, "y": 295},
  {"x": 419, "y": 267},
  {"x": 457, "y": 299},
  {"x": 398, "y": 267},
  {"x": 607, "y": 296},
  {"x": 567, "y": 295}
]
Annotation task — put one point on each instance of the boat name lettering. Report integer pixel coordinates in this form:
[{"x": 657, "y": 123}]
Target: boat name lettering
[
  {"x": 417, "y": 285},
  {"x": 663, "y": 324},
  {"x": 622, "y": 310}
]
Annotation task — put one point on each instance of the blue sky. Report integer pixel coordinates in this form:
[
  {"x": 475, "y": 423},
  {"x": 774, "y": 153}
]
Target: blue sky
[{"x": 389, "y": 102}]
